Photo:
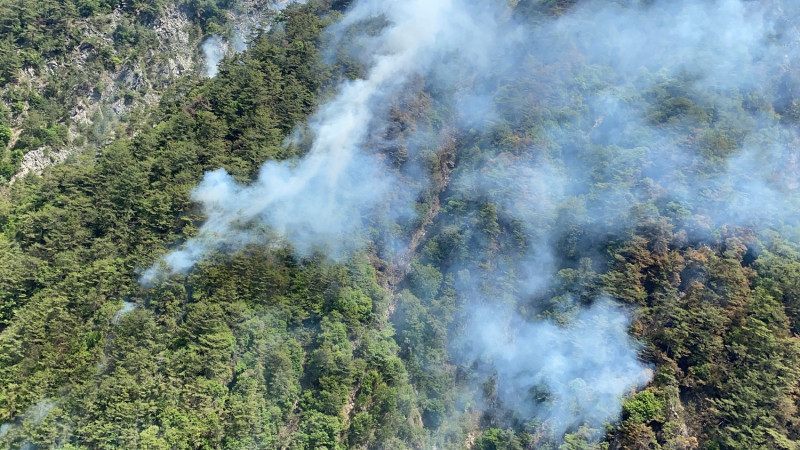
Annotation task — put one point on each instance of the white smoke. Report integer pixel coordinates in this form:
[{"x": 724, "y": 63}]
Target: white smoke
[
  {"x": 471, "y": 54},
  {"x": 127, "y": 307},
  {"x": 214, "y": 49},
  {"x": 34, "y": 415},
  {"x": 318, "y": 202},
  {"x": 567, "y": 375},
  {"x": 248, "y": 17}
]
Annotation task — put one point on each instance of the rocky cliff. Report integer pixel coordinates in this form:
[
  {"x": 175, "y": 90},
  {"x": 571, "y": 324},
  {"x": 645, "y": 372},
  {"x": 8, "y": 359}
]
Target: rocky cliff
[{"x": 120, "y": 67}]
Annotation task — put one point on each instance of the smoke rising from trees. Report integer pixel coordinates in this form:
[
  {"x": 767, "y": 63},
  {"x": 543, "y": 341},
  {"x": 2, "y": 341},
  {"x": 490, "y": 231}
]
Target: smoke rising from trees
[
  {"x": 214, "y": 48},
  {"x": 599, "y": 168}
]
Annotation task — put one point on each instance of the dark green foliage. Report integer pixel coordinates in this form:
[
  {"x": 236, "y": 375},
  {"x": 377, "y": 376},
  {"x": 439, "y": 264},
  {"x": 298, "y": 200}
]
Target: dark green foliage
[
  {"x": 496, "y": 439},
  {"x": 263, "y": 349},
  {"x": 259, "y": 351},
  {"x": 5, "y": 135},
  {"x": 643, "y": 407}
]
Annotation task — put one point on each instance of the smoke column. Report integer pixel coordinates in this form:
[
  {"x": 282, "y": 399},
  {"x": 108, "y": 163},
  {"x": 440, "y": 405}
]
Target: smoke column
[
  {"x": 604, "y": 63},
  {"x": 317, "y": 203},
  {"x": 213, "y": 51}
]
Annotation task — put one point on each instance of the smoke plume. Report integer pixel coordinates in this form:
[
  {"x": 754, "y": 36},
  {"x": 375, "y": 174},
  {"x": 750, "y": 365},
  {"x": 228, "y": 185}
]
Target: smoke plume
[
  {"x": 318, "y": 202},
  {"x": 214, "y": 49},
  {"x": 566, "y": 375},
  {"x": 587, "y": 153}
]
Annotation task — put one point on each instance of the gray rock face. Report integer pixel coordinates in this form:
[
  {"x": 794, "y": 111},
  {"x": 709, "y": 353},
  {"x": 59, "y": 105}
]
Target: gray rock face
[
  {"x": 37, "y": 160},
  {"x": 134, "y": 85}
]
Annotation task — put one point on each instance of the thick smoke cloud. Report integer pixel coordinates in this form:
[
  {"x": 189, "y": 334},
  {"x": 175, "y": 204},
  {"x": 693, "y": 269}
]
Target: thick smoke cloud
[
  {"x": 318, "y": 201},
  {"x": 741, "y": 171},
  {"x": 608, "y": 154},
  {"x": 568, "y": 375},
  {"x": 520, "y": 366}
]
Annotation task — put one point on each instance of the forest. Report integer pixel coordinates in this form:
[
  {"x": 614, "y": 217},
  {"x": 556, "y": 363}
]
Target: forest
[{"x": 416, "y": 224}]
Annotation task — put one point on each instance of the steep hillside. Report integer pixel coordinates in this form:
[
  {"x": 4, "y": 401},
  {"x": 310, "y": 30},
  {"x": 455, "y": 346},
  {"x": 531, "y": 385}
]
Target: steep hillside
[
  {"x": 76, "y": 74},
  {"x": 404, "y": 224}
]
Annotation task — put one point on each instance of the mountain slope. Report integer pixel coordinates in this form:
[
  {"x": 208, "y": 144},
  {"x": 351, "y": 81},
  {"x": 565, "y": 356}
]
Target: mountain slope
[{"x": 423, "y": 225}]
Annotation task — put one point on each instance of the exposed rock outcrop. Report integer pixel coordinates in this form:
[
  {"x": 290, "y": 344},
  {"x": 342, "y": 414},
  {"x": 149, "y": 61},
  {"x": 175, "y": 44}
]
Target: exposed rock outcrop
[{"x": 132, "y": 84}]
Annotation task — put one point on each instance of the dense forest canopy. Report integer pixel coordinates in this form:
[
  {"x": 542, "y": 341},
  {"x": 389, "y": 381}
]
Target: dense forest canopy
[{"x": 411, "y": 224}]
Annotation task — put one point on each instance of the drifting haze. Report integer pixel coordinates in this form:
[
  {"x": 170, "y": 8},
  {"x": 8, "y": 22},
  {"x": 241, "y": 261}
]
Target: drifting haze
[
  {"x": 613, "y": 159},
  {"x": 33, "y": 415}
]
